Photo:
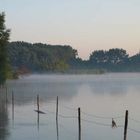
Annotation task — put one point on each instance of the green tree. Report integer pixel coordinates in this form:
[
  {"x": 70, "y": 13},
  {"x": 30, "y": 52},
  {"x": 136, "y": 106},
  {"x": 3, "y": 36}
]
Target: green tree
[
  {"x": 98, "y": 57},
  {"x": 40, "y": 57},
  {"x": 112, "y": 60},
  {"x": 117, "y": 56},
  {"x": 4, "y": 37}
]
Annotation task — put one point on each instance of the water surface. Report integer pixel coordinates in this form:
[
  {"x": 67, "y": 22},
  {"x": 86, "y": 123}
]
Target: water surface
[{"x": 101, "y": 97}]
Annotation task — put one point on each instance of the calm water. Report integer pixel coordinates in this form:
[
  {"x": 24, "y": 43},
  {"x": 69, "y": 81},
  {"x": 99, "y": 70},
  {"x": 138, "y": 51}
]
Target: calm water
[{"x": 101, "y": 97}]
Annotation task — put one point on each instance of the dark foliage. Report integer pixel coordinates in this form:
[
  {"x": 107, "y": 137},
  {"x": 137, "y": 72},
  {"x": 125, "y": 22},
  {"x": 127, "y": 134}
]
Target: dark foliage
[
  {"x": 40, "y": 57},
  {"x": 26, "y": 57},
  {"x": 4, "y": 37},
  {"x": 111, "y": 60}
]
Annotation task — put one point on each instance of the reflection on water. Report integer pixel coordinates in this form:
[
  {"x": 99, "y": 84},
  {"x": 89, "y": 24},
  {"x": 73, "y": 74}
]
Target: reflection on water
[
  {"x": 27, "y": 90},
  {"x": 3, "y": 117},
  {"x": 106, "y": 95}
]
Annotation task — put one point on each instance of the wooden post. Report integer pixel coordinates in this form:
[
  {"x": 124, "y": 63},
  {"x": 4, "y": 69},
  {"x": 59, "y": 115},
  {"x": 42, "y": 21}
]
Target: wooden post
[
  {"x": 57, "y": 109},
  {"x": 12, "y": 105},
  {"x": 79, "y": 122},
  {"x": 126, "y": 124},
  {"x": 38, "y": 112},
  {"x": 57, "y": 129},
  {"x": 38, "y": 103}
]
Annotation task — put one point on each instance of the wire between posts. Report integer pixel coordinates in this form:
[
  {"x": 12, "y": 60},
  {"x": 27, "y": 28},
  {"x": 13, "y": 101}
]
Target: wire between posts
[
  {"x": 97, "y": 123},
  {"x": 137, "y": 121},
  {"x": 133, "y": 130},
  {"x": 69, "y": 108},
  {"x": 88, "y": 121},
  {"x": 66, "y": 116},
  {"x": 101, "y": 117},
  {"x": 62, "y": 116}
]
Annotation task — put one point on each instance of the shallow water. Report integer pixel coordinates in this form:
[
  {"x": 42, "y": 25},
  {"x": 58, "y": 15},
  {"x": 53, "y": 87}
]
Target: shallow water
[{"x": 101, "y": 98}]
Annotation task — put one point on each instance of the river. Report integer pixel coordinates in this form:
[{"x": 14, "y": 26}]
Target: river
[{"x": 100, "y": 97}]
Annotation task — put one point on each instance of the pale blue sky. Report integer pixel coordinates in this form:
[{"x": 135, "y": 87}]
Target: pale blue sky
[{"x": 86, "y": 25}]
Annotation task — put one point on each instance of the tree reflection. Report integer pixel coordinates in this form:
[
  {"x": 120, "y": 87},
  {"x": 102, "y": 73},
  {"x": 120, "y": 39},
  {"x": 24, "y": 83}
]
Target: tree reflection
[{"x": 3, "y": 117}]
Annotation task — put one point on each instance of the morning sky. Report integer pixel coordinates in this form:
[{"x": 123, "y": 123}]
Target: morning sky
[{"x": 86, "y": 25}]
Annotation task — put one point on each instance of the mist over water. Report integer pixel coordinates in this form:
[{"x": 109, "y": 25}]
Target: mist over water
[{"x": 104, "y": 96}]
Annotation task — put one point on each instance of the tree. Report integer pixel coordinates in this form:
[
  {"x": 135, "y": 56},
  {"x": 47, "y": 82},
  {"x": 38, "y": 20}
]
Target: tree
[
  {"x": 98, "y": 57},
  {"x": 4, "y": 37},
  {"x": 117, "y": 56},
  {"x": 112, "y": 60}
]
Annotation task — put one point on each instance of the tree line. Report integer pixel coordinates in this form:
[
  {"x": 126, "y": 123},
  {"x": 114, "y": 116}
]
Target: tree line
[
  {"x": 40, "y": 57},
  {"x": 116, "y": 60},
  {"x": 22, "y": 57}
]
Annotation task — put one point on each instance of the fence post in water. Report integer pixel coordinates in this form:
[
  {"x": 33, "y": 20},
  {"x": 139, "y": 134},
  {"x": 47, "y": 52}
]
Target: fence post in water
[
  {"x": 79, "y": 122},
  {"x": 12, "y": 105},
  {"x": 38, "y": 103},
  {"x": 57, "y": 130},
  {"x": 38, "y": 111},
  {"x": 57, "y": 108},
  {"x": 126, "y": 124}
]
